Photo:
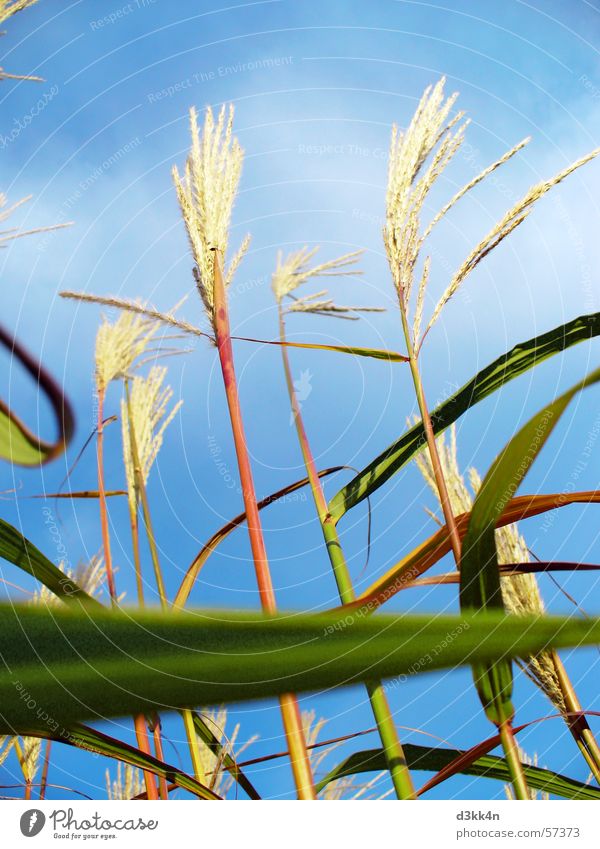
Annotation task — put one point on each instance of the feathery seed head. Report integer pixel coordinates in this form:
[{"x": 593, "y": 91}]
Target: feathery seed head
[
  {"x": 11, "y": 7},
  {"x": 206, "y": 192},
  {"x": 429, "y": 134},
  {"x": 295, "y": 269},
  {"x": 127, "y": 784},
  {"x": 432, "y": 138},
  {"x": 520, "y": 593},
  {"x": 119, "y": 344},
  {"x": 146, "y": 418}
]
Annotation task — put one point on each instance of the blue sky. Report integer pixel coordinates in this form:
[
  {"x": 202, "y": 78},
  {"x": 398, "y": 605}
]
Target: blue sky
[{"x": 316, "y": 88}]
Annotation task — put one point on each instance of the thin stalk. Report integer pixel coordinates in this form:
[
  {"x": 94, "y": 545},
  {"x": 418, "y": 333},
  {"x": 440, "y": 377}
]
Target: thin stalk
[
  {"x": 579, "y": 726},
  {"x": 46, "y": 766},
  {"x": 141, "y": 493},
  {"x": 137, "y": 562},
  {"x": 395, "y": 759},
  {"x": 141, "y": 733},
  {"x": 192, "y": 739},
  {"x": 512, "y": 755},
  {"x": 289, "y": 707},
  {"x": 23, "y": 764},
  {"x": 110, "y": 579},
  {"x": 515, "y": 767},
  {"x": 158, "y": 748}
]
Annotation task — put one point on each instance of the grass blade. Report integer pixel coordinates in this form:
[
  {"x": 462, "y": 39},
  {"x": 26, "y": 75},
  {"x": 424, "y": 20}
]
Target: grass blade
[
  {"x": 18, "y": 550},
  {"x": 502, "y": 370},
  {"x": 139, "y": 661},
  {"x": 486, "y": 766}
]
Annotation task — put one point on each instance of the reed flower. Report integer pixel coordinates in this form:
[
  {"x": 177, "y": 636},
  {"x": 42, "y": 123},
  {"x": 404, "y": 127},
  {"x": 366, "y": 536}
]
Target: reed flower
[
  {"x": 418, "y": 156},
  {"x": 147, "y": 418},
  {"x": 11, "y": 7},
  {"x": 520, "y": 593},
  {"x": 206, "y": 192},
  {"x": 220, "y": 780},
  {"x": 127, "y": 784},
  {"x": 119, "y": 344},
  {"x": 6, "y": 745},
  {"x": 295, "y": 269},
  {"x": 6, "y": 211},
  {"x": 342, "y": 788}
]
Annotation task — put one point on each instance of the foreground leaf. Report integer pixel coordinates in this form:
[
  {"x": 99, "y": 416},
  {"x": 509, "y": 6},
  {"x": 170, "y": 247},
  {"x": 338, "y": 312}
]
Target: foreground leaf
[
  {"x": 18, "y": 444},
  {"x": 479, "y": 573},
  {"x": 78, "y": 664},
  {"x": 505, "y": 368}
]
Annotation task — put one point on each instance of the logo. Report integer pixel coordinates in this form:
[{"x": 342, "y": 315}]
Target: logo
[{"x": 32, "y": 822}]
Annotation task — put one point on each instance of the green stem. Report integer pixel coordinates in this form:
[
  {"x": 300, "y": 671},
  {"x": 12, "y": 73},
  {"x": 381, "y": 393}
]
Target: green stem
[
  {"x": 513, "y": 759},
  {"x": 193, "y": 745},
  {"x": 110, "y": 579},
  {"x": 516, "y": 767},
  {"x": 289, "y": 706},
  {"x": 395, "y": 759},
  {"x": 579, "y": 726}
]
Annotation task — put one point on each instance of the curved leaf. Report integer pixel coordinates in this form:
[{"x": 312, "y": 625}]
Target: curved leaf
[
  {"x": 83, "y": 737},
  {"x": 72, "y": 664},
  {"x": 487, "y": 766},
  {"x": 18, "y": 444},
  {"x": 479, "y": 573},
  {"x": 375, "y": 353},
  {"x": 18, "y": 550},
  {"x": 428, "y": 553},
  {"x": 505, "y": 368},
  {"x": 207, "y": 549}
]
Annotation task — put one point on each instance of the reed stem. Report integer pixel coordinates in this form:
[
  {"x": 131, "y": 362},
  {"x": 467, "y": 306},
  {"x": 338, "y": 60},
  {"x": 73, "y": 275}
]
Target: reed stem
[
  {"x": 289, "y": 706},
  {"x": 395, "y": 759},
  {"x": 513, "y": 759},
  {"x": 512, "y": 754},
  {"x": 110, "y": 579},
  {"x": 141, "y": 733}
]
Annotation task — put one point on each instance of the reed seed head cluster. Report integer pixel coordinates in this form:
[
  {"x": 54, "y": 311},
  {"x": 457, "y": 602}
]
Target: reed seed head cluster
[
  {"x": 119, "y": 344},
  {"x": 295, "y": 269},
  {"x": 520, "y": 593},
  {"x": 418, "y": 156},
  {"x": 11, "y": 7},
  {"x": 206, "y": 192},
  {"x": 146, "y": 417}
]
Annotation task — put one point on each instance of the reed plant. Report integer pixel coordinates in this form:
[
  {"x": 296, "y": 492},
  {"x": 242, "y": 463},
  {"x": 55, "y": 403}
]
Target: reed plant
[{"x": 146, "y": 657}]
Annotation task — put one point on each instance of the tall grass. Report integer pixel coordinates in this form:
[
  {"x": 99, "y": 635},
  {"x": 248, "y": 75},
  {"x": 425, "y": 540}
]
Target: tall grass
[{"x": 492, "y": 565}]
